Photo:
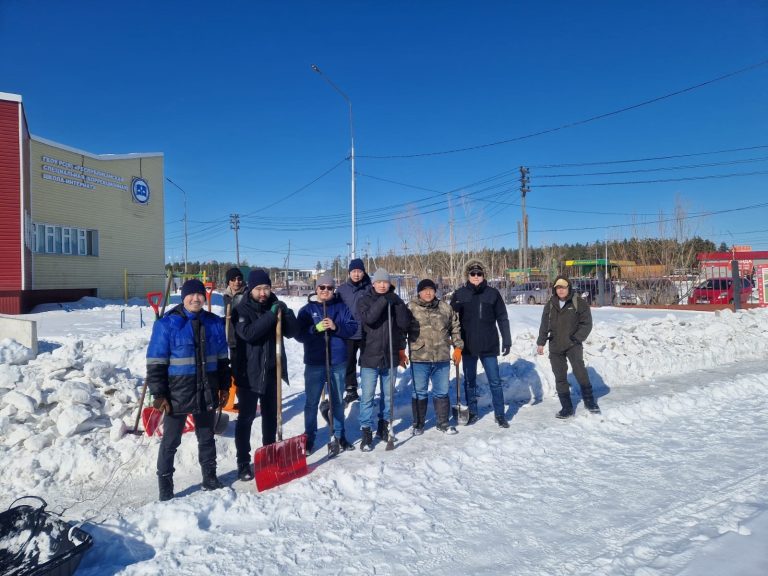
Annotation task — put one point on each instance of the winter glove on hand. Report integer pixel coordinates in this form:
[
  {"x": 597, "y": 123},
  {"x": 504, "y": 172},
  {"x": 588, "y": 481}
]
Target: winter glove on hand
[
  {"x": 505, "y": 350},
  {"x": 223, "y": 397},
  {"x": 403, "y": 358},
  {"x": 457, "y": 356},
  {"x": 162, "y": 405},
  {"x": 320, "y": 326},
  {"x": 278, "y": 306},
  {"x": 391, "y": 298}
]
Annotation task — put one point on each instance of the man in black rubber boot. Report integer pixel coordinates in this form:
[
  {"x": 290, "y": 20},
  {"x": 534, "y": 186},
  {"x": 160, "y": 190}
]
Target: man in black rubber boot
[
  {"x": 442, "y": 414},
  {"x": 188, "y": 373},
  {"x": 565, "y": 323}
]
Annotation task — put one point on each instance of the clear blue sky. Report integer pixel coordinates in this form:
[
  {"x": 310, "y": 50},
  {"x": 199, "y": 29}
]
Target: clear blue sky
[{"x": 225, "y": 90}]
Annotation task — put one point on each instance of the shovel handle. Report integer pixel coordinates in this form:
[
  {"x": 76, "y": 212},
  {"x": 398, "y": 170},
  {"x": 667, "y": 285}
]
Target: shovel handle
[{"x": 279, "y": 370}]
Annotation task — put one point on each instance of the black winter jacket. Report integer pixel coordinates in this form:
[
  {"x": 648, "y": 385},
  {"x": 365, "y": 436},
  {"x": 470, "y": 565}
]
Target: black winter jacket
[
  {"x": 374, "y": 348},
  {"x": 481, "y": 308},
  {"x": 255, "y": 328},
  {"x": 566, "y": 326},
  {"x": 351, "y": 292}
]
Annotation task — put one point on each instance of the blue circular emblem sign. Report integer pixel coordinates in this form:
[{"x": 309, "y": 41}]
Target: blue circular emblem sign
[{"x": 140, "y": 190}]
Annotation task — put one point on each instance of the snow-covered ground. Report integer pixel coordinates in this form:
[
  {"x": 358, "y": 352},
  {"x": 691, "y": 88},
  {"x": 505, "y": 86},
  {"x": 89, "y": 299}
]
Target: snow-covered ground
[{"x": 671, "y": 479}]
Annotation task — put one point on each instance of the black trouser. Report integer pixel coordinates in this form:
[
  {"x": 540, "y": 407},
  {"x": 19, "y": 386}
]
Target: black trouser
[
  {"x": 350, "y": 378},
  {"x": 574, "y": 355},
  {"x": 247, "y": 412},
  {"x": 173, "y": 424}
]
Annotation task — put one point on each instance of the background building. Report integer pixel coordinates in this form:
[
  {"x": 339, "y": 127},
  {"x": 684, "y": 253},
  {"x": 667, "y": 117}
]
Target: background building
[{"x": 73, "y": 223}]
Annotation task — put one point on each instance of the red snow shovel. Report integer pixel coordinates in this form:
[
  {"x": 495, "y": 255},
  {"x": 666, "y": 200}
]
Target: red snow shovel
[
  {"x": 152, "y": 418},
  {"x": 284, "y": 460}
]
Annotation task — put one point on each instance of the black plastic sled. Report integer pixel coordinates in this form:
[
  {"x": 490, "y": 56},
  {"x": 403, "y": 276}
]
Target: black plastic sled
[{"x": 34, "y": 542}]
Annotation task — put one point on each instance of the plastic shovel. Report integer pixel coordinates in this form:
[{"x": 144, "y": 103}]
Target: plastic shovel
[
  {"x": 284, "y": 460},
  {"x": 152, "y": 418},
  {"x": 461, "y": 413}
]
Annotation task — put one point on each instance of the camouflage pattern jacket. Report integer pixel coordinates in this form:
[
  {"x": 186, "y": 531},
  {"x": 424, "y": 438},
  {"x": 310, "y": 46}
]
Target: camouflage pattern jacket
[{"x": 434, "y": 327}]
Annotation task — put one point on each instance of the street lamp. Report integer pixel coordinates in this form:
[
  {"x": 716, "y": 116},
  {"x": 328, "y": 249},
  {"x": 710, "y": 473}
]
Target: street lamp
[
  {"x": 186, "y": 245},
  {"x": 351, "y": 154}
]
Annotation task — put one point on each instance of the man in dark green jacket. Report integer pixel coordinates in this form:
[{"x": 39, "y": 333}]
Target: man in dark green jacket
[{"x": 565, "y": 323}]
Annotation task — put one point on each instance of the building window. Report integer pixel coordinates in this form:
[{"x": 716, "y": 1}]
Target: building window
[{"x": 51, "y": 239}]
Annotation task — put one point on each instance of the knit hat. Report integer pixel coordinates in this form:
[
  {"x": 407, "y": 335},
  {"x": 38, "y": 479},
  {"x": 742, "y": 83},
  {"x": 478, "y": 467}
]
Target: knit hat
[
  {"x": 381, "y": 275},
  {"x": 193, "y": 286},
  {"x": 356, "y": 264},
  {"x": 258, "y": 277},
  {"x": 426, "y": 283},
  {"x": 233, "y": 273},
  {"x": 562, "y": 282},
  {"x": 325, "y": 280}
]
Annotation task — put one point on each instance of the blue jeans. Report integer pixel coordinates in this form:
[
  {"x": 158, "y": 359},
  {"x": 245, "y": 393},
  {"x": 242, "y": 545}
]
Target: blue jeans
[
  {"x": 423, "y": 372},
  {"x": 491, "y": 366},
  {"x": 368, "y": 378},
  {"x": 314, "y": 382}
]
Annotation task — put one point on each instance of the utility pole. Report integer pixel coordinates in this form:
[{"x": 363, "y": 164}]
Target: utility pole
[
  {"x": 524, "y": 181},
  {"x": 234, "y": 224}
]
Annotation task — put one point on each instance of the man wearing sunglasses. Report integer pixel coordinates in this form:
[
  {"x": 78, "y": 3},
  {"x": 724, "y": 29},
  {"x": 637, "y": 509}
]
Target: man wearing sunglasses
[
  {"x": 481, "y": 309},
  {"x": 232, "y": 296},
  {"x": 325, "y": 323}
]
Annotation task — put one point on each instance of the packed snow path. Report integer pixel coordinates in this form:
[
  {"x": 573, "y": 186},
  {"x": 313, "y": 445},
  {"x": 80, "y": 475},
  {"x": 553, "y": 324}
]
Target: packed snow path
[{"x": 673, "y": 468}]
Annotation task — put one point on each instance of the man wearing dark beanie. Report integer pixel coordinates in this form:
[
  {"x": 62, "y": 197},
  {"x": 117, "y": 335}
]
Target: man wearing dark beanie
[
  {"x": 188, "y": 373},
  {"x": 255, "y": 321},
  {"x": 350, "y": 293}
]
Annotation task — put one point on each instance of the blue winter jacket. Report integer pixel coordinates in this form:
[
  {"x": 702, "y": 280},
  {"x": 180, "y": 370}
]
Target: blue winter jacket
[
  {"x": 314, "y": 341},
  {"x": 172, "y": 363},
  {"x": 351, "y": 292}
]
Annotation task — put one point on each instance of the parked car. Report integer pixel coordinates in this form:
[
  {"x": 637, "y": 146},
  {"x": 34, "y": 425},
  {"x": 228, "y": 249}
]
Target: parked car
[
  {"x": 656, "y": 291},
  {"x": 529, "y": 293},
  {"x": 719, "y": 291},
  {"x": 588, "y": 288},
  {"x": 626, "y": 296}
]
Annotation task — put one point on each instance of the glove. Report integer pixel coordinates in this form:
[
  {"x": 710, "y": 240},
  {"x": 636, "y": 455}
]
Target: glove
[
  {"x": 403, "y": 358},
  {"x": 223, "y": 397},
  {"x": 320, "y": 327},
  {"x": 505, "y": 350},
  {"x": 162, "y": 405},
  {"x": 278, "y": 306},
  {"x": 457, "y": 356},
  {"x": 391, "y": 298}
]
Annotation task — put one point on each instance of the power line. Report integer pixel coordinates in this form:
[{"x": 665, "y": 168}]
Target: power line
[{"x": 576, "y": 123}]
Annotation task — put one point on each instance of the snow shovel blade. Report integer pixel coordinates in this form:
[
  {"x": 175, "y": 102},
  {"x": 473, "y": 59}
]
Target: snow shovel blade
[
  {"x": 461, "y": 413},
  {"x": 221, "y": 423},
  {"x": 152, "y": 418},
  {"x": 324, "y": 406},
  {"x": 280, "y": 462}
]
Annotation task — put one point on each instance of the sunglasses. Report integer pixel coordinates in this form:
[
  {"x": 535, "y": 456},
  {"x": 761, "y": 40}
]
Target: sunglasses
[
  {"x": 475, "y": 273},
  {"x": 324, "y": 287},
  {"x": 237, "y": 279}
]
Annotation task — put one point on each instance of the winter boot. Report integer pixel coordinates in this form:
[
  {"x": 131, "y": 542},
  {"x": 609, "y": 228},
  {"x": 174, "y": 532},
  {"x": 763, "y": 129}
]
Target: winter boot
[
  {"x": 502, "y": 421},
  {"x": 442, "y": 414},
  {"x": 345, "y": 446},
  {"x": 589, "y": 400},
  {"x": 333, "y": 447},
  {"x": 423, "y": 406},
  {"x": 244, "y": 471},
  {"x": 382, "y": 430},
  {"x": 165, "y": 486},
  {"x": 366, "y": 442},
  {"x": 210, "y": 481},
  {"x": 473, "y": 418},
  {"x": 567, "y": 406},
  {"x": 417, "y": 428}
]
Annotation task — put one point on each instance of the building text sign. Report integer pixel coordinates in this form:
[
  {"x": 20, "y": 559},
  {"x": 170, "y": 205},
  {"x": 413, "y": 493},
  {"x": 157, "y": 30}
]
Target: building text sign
[{"x": 64, "y": 172}]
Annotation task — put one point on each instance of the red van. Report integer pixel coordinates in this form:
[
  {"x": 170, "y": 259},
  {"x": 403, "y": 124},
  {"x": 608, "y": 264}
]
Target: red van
[{"x": 719, "y": 291}]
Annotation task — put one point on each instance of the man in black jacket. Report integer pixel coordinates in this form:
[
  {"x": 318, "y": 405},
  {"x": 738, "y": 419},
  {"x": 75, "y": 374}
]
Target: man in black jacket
[
  {"x": 256, "y": 371},
  {"x": 376, "y": 309},
  {"x": 356, "y": 286},
  {"x": 481, "y": 308},
  {"x": 565, "y": 323}
]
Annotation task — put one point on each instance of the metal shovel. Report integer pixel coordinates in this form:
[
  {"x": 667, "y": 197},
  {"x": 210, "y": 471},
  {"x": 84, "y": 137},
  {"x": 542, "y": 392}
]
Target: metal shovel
[{"x": 460, "y": 413}]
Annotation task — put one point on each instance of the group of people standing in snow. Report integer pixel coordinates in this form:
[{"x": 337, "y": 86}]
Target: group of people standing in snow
[{"x": 188, "y": 370}]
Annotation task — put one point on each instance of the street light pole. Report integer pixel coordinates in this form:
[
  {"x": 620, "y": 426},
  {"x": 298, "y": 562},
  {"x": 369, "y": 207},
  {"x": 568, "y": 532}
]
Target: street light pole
[
  {"x": 186, "y": 238},
  {"x": 351, "y": 154}
]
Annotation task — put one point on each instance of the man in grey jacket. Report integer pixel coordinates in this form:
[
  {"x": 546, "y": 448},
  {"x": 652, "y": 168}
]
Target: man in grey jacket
[{"x": 565, "y": 324}]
